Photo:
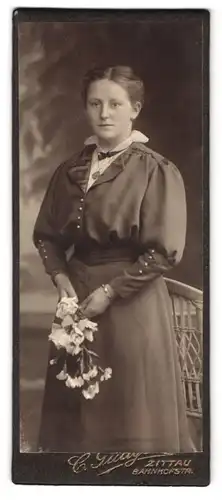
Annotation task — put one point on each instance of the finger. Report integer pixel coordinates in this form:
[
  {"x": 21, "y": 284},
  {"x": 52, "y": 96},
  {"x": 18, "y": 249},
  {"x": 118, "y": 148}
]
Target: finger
[
  {"x": 88, "y": 312},
  {"x": 85, "y": 302},
  {"x": 71, "y": 291},
  {"x": 62, "y": 293},
  {"x": 83, "y": 307}
]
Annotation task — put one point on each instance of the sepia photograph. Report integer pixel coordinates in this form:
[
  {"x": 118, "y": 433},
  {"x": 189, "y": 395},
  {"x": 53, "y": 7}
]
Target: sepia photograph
[{"x": 111, "y": 147}]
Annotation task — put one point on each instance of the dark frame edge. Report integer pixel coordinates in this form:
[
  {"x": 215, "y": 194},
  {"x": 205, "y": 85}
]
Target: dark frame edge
[
  {"x": 20, "y": 466},
  {"x": 206, "y": 235},
  {"x": 15, "y": 222}
]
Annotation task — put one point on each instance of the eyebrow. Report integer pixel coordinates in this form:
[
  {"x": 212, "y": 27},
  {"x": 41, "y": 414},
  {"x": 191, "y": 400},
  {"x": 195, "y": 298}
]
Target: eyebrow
[
  {"x": 94, "y": 99},
  {"x": 100, "y": 100}
]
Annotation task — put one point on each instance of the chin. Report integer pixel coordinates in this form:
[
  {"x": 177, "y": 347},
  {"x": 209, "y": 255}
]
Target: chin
[{"x": 106, "y": 134}]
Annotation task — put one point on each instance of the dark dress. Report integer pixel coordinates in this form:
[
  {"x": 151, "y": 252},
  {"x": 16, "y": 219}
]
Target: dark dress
[{"x": 128, "y": 229}]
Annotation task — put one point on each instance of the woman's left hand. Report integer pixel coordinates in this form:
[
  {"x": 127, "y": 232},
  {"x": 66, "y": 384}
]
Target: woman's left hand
[{"x": 96, "y": 303}]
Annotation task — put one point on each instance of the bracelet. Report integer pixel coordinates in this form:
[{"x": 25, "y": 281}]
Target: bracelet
[{"x": 108, "y": 290}]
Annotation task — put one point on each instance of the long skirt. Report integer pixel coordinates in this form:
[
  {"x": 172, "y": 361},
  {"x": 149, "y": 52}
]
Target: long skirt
[{"x": 142, "y": 407}]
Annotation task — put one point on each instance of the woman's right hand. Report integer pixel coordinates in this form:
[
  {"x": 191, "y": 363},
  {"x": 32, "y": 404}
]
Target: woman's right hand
[{"x": 64, "y": 286}]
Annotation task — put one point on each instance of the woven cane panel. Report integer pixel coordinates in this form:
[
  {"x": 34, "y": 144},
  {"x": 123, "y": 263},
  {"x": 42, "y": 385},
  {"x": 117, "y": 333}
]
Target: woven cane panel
[{"x": 187, "y": 322}]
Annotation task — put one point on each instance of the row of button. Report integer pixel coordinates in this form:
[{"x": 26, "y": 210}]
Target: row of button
[
  {"x": 80, "y": 210},
  {"x": 150, "y": 257},
  {"x": 41, "y": 244}
]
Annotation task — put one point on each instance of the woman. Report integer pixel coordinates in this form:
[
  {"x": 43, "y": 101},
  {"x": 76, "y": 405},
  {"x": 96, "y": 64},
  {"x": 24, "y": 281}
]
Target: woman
[{"x": 123, "y": 208}]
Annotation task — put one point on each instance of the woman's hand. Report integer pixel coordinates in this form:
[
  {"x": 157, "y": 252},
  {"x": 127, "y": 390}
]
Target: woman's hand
[
  {"x": 96, "y": 303},
  {"x": 64, "y": 286}
]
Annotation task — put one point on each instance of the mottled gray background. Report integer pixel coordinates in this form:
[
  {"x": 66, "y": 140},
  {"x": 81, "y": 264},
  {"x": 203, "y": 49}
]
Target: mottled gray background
[{"x": 53, "y": 58}]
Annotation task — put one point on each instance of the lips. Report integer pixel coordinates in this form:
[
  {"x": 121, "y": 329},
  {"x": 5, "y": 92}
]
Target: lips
[{"x": 104, "y": 125}]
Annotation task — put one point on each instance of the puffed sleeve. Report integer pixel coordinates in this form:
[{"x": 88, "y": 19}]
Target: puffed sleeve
[
  {"x": 46, "y": 238},
  {"x": 162, "y": 229}
]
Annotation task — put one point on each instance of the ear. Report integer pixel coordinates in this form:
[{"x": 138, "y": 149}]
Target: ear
[{"x": 136, "y": 108}]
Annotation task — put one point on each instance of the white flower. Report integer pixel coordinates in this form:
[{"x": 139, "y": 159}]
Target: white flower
[
  {"x": 78, "y": 382},
  {"x": 67, "y": 305},
  {"x": 106, "y": 375},
  {"x": 73, "y": 349},
  {"x": 59, "y": 336},
  {"x": 55, "y": 329},
  {"x": 89, "y": 335},
  {"x": 67, "y": 321},
  {"x": 73, "y": 382},
  {"x": 76, "y": 335},
  {"x": 62, "y": 375},
  {"x": 87, "y": 324},
  {"x": 91, "y": 373},
  {"x": 53, "y": 361},
  {"x": 88, "y": 328},
  {"x": 68, "y": 381},
  {"x": 91, "y": 391}
]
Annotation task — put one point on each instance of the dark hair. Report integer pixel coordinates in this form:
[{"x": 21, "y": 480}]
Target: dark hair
[{"x": 123, "y": 75}]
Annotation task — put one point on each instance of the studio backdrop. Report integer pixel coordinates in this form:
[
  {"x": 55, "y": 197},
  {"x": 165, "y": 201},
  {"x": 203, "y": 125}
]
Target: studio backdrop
[{"x": 53, "y": 58}]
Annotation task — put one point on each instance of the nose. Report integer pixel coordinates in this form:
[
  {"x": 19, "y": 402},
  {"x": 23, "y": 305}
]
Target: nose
[{"x": 104, "y": 111}]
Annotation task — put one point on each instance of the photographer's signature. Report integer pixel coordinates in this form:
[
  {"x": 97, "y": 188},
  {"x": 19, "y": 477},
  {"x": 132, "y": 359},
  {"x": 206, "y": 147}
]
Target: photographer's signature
[{"x": 107, "y": 463}]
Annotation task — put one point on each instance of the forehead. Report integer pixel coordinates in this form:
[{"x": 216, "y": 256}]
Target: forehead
[{"x": 107, "y": 89}]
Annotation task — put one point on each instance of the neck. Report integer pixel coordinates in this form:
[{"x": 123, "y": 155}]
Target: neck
[{"x": 112, "y": 143}]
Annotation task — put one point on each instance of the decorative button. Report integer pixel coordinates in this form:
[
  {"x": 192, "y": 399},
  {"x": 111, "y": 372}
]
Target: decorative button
[
  {"x": 146, "y": 264},
  {"x": 78, "y": 227},
  {"x": 150, "y": 257},
  {"x": 45, "y": 257},
  {"x": 80, "y": 208},
  {"x": 140, "y": 271},
  {"x": 79, "y": 217},
  {"x": 152, "y": 250},
  {"x": 82, "y": 199}
]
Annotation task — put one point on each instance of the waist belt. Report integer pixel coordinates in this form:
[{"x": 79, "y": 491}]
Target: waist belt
[{"x": 99, "y": 256}]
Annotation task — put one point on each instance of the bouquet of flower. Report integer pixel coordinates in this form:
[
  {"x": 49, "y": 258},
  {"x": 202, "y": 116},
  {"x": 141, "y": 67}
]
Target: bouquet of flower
[{"x": 71, "y": 333}]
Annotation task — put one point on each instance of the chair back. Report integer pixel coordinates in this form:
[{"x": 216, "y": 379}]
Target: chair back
[{"x": 187, "y": 309}]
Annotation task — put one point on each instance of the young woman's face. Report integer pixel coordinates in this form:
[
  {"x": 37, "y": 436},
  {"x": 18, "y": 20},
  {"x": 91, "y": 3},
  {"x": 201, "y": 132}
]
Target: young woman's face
[{"x": 110, "y": 111}]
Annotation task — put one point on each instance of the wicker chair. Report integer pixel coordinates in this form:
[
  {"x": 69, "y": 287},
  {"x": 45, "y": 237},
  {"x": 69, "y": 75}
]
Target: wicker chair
[{"x": 187, "y": 308}]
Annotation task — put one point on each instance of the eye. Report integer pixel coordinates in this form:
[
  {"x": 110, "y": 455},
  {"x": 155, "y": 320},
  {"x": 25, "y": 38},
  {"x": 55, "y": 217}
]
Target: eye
[
  {"x": 115, "y": 104},
  {"x": 94, "y": 104}
]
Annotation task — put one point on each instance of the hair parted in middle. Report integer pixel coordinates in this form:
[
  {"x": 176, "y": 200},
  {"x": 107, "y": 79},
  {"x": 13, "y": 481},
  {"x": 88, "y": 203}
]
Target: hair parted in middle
[{"x": 123, "y": 75}]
